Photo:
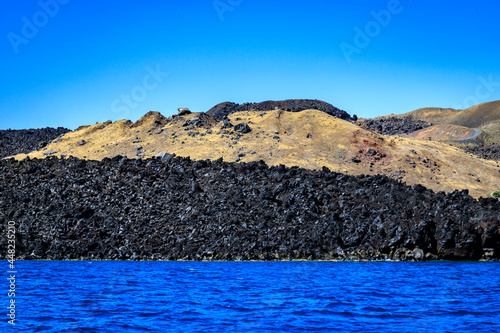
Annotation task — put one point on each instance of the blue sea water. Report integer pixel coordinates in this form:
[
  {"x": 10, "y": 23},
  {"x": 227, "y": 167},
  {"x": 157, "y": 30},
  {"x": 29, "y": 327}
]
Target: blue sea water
[{"x": 118, "y": 296}]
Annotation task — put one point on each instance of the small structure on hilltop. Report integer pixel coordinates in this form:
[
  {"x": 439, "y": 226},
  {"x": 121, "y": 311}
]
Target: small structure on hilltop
[{"x": 183, "y": 111}]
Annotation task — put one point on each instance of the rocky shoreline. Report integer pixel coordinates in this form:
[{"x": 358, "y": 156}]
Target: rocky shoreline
[{"x": 179, "y": 209}]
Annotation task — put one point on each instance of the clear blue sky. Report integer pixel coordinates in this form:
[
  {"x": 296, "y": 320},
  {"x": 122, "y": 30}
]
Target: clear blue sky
[{"x": 69, "y": 62}]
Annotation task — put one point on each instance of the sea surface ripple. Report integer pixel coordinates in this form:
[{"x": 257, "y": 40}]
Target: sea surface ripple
[{"x": 124, "y": 296}]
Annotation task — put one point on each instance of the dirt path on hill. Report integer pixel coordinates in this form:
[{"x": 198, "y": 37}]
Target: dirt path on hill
[{"x": 473, "y": 136}]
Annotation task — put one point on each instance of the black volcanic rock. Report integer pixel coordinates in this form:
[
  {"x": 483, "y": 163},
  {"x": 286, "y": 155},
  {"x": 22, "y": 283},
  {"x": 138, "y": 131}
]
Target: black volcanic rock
[
  {"x": 13, "y": 142},
  {"x": 181, "y": 209},
  {"x": 227, "y": 124},
  {"x": 242, "y": 128},
  {"x": 222, "y": 110},
  {"x": 394, "y": 125},
  {"x": 486, "y": 151}
]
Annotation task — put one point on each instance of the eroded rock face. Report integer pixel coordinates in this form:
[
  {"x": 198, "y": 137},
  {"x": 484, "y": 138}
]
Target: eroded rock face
[
  {"x": 13, "y": 142},
  {"x": 175, "y": 208},
  {"x": 394, "y": 125},
  {"x": 222, "y": 110}
]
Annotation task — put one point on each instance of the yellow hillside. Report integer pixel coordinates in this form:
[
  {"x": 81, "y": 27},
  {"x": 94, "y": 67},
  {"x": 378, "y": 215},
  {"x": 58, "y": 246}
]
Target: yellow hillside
[{"x": 310, "y": 139}]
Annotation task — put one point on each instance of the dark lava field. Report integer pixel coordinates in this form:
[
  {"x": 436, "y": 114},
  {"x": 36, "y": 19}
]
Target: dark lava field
[
  {"x": 13, "y": 142},
  {"x": 395, "y": 125},
  {"x": 179, "y": 209}
]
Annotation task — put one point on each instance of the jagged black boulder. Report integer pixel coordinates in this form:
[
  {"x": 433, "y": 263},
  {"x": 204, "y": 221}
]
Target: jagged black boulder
[{"x": 242, "y": 128}]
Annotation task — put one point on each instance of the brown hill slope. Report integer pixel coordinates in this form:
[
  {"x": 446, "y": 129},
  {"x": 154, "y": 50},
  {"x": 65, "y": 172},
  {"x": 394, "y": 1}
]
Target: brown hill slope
[
  {"x": 310, "y": 139},
  {"x": 485, "y": 116},
  {"x": 445, "y": 133},
  {"x": 479, "y": 115}
]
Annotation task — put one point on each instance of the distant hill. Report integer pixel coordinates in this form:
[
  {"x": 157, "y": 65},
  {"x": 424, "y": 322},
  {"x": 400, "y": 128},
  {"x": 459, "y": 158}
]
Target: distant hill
[
  {"x": 222, "y": 110},
  {"x": 485, "y": 117}
]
